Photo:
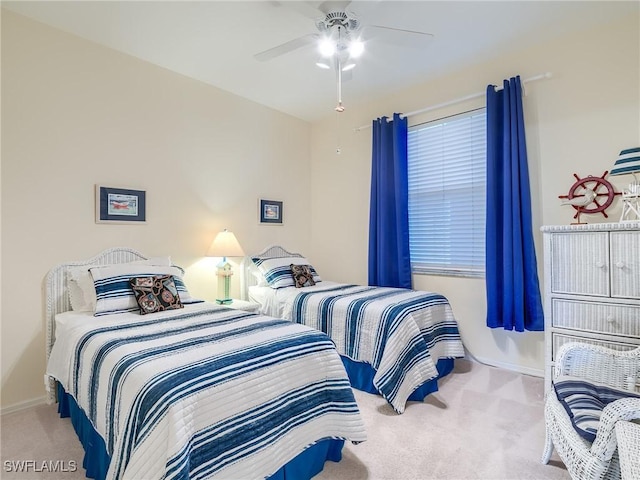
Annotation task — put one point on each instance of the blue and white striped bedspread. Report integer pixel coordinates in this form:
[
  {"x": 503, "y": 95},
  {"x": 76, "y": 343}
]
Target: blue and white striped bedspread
[
  {"x": 206, "y": 392},
  {"x": 401, "y": 333}
]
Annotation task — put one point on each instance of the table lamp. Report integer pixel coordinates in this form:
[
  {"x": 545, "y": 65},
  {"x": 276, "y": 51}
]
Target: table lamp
[
  {"x": 224, "y": 245},
  {"x": 628, "y": 162}
]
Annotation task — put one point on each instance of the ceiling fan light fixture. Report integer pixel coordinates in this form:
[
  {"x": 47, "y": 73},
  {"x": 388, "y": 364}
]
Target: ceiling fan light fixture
[
  {"x": 356, "y": 48},
  {"x": 327, "y": 47}
]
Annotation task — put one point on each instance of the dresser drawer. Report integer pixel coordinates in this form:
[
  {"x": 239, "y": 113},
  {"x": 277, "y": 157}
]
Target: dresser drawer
[
  {"x": 605, "y": 318},
  {"x": 559, "y": 339}
]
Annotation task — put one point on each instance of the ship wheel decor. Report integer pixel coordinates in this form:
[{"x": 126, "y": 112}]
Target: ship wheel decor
[{"x": 590, "y": 195}]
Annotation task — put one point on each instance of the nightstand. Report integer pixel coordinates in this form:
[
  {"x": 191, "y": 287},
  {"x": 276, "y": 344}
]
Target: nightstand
[{"x": 244, "y": 305}]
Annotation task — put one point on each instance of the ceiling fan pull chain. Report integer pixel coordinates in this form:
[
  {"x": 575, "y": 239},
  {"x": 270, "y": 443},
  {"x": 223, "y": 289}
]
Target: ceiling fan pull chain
[
  {"x": 338, "y": 141},
  {"x": 339, "y": 108}
]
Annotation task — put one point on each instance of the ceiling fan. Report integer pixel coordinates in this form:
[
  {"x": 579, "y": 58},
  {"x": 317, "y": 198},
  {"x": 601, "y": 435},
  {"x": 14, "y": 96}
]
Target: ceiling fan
[{"x": 341, "y": 37}]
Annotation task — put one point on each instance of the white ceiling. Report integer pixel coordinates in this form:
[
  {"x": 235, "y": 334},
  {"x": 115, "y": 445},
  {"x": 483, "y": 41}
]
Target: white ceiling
[{"x": 214, "y": 41}]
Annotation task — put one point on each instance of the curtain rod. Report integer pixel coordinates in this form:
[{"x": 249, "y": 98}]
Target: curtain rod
[{"x": 542, "y": 76}]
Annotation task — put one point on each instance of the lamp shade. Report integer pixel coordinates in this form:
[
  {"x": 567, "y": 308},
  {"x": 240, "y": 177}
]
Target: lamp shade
[
  {"x": 628, "y": 162},
  {"x": 225, "y": 245}
]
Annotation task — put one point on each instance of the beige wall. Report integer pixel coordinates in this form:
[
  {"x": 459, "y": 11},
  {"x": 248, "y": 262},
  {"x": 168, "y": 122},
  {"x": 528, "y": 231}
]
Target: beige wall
[
  {"x": 75, "y": 114},
  {"x": 577, "y": 122}
]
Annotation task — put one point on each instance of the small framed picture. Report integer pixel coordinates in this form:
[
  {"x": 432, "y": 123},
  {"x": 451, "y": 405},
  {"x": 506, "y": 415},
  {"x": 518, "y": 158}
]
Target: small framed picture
[
  {"x": 270, "y": 212},
  {"x": 120, "y": 205}
]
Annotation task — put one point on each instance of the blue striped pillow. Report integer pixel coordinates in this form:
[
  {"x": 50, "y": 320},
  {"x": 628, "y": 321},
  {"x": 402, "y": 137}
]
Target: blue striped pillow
[
  {"x": 113, "y": 290},
  {"x": 584, "y": 402},
  {"x": 277, "y": 271}
]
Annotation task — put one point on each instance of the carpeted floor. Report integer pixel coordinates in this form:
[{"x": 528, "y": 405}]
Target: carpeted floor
[{"x": 484, "y": 423}]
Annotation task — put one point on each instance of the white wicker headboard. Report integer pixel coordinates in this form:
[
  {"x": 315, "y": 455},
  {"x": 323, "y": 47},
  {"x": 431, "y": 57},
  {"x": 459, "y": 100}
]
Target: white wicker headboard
[
  {"x": 57, "y": 293},
  {"x": 249, "y": 268}
]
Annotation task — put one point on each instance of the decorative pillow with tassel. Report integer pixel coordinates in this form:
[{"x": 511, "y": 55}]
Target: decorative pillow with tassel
[
  {"x": 302, "y": 275},
  {"x": 155, "y": 294}
]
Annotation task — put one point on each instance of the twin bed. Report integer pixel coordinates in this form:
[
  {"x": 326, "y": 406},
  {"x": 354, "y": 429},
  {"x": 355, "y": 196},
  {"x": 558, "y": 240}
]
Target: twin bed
[
  {"x": 393, "y": 342},
  {"x": 199, "y": 390}
]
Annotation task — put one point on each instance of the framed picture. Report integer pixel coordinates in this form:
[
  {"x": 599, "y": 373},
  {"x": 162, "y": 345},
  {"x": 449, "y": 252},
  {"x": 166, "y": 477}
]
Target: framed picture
[
  {"x": 270, "y": 212},
  {"x": 120, "y": 205}
]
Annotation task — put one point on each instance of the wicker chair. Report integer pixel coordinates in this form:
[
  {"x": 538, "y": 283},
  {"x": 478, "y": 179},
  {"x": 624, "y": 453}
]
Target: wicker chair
[
  {"x": 628, "y": 435},
  {"x": 618, "y": 369}
]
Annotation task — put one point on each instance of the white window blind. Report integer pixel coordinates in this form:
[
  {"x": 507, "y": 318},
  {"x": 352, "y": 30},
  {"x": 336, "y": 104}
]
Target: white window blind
[{"x": 447, "y": 179}]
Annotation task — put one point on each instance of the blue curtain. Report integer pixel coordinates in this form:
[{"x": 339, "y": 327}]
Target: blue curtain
[
  {"x": 389, "y": 260},
  {"x": 513, "y": 290}
]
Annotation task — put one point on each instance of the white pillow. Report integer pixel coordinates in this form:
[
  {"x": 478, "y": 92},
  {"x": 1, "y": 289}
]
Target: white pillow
[
  {"x": 80, "y": 286},
  {"x": 160, "y": 261},
  {"x": 113, "y": 290},
  {"x": 82, "y": 293},
  {"x": 260, "y": 280},
  {"x": 277, "y": 271}
]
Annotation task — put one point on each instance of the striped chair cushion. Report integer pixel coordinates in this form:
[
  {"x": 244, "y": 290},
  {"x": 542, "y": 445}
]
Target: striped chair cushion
[
  {"x": 584, "y": 402},
  {"x": 277, "y": 271}
]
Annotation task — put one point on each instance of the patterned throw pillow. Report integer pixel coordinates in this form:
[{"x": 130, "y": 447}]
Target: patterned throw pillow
[
  {"x": 155, "y": 294},
  {"x": 302, "y": 275}
]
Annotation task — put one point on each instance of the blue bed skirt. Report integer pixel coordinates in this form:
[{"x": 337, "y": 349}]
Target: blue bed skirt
[
  {"x": 361, "y": 377},
  {"x": 96, "y": 460}
]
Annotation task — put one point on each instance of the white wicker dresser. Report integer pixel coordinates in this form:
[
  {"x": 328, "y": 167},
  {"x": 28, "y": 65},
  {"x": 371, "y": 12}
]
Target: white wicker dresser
[{"x": 592, "y": 287}]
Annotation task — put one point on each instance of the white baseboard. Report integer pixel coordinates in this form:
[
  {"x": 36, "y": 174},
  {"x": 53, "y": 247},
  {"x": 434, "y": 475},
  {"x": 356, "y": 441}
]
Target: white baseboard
[
  {"x": 534, "y": 372},
  {"x": 23, "y": 405}
]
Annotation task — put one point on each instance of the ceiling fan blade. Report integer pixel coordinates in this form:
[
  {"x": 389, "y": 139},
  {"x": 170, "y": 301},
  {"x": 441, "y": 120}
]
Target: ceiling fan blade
[
  {"x": 397, "y": 36},
  {"x": 286, "y": 47},
  {"x": 306, "y": 9},
  {"x": 333, "y": 6},
  {"x": 314, "y": 10}
]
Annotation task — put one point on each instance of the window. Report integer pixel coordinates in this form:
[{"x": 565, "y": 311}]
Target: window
[{"x": 447, "y": 178}]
